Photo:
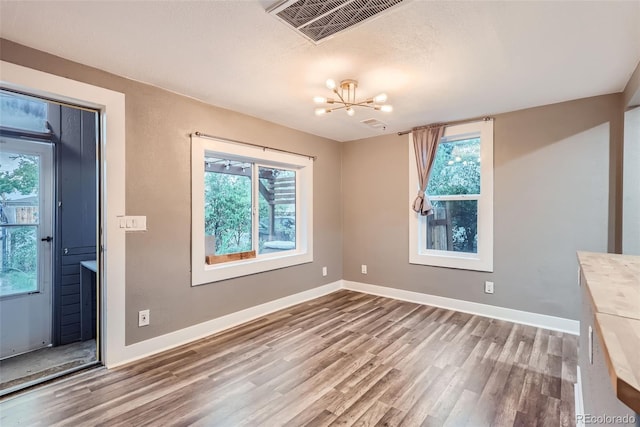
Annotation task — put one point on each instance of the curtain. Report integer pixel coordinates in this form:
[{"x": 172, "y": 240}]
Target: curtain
[{"x": 425, "y": 144}]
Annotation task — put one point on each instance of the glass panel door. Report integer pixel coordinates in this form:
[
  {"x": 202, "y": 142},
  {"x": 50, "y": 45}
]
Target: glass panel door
[{"x": 25, "y": 245}]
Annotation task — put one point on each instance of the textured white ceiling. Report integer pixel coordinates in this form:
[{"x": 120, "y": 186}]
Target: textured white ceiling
[{"x": 437, "y": 60}]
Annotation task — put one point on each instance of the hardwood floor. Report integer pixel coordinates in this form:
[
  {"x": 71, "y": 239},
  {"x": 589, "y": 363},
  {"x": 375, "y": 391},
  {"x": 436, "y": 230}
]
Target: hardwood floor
[{"x": 343, "y": 359}]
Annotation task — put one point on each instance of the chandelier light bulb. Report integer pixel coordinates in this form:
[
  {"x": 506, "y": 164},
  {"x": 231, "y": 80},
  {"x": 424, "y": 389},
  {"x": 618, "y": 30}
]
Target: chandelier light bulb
[
  {"x": 351, "y": 111},
  {"x": 331, "y": 84},
  {"x": 319, "y": 99},
  {"x": 320, "y": 111},
  {"x": 386, "y": 108},
  {"x": 380, "y": 98}
]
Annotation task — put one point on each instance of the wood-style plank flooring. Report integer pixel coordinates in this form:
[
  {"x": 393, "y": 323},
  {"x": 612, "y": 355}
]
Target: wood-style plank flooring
[{"x": 343, "y": 359}]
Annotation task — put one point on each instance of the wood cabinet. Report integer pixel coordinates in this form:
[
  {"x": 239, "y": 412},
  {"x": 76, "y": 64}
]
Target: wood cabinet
[{"x": 609, "y": 349}]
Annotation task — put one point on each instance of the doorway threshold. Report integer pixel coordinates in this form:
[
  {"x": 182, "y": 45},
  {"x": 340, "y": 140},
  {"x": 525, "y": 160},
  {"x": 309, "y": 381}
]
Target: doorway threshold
[{"x": 26, "y": 370}]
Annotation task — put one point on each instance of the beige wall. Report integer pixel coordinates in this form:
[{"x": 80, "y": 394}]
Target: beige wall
[
  {"x": 550, "y": 200},
  {"x": 158, "y": 124}
]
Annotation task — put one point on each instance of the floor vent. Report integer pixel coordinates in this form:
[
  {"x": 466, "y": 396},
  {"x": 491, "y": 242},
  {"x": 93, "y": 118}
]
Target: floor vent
[{"x": 318, "y": 19}]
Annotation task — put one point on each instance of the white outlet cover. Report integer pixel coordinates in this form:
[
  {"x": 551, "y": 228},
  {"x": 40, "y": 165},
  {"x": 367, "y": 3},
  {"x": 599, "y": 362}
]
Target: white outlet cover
[
  {"x": 488, "y": 287},
  {"x": 143, "y": 317}
]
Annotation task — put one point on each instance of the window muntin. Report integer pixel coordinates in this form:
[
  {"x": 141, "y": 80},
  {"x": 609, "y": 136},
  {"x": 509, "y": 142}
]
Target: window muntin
[
  {"x": 460, "y": 232},
  {"x": 277, "y": 231}
]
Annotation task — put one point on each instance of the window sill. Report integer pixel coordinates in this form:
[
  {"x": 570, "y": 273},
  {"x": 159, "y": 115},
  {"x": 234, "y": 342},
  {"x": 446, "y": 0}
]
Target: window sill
[
  {"x": 460, "y": 261},
  {"x": 233, "y": 269}
]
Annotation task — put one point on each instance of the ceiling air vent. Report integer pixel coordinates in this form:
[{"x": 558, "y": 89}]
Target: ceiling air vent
[
  {"x": 375, "y": 123},
  {"x": 318, "y": 19}
]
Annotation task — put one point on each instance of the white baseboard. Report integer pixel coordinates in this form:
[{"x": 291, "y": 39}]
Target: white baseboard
[
  {"x": 155, "y": 345},
  {"x": 577, "y": 392},
  {"x": 523, "y": 317}
]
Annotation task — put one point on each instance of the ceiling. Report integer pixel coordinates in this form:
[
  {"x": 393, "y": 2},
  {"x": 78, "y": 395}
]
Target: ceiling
[{"x": 436, "y": 60}]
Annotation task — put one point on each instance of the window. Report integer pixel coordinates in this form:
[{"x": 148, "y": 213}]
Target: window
[
  {"x": 251, "y": 210},
  {"x": 459, "y": 234}
]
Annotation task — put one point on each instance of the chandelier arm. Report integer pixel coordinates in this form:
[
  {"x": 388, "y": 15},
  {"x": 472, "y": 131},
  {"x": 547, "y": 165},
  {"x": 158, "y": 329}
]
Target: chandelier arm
[
  {"x": 338, "y": 108},
  {"x": 340, "y": 96}
]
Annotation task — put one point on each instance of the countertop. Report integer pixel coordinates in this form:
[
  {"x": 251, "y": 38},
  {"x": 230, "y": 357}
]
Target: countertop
[{"x": 613, "y": 283}]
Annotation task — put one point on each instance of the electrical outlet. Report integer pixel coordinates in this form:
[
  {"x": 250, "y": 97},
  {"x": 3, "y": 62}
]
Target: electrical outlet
[
  {"x": 364, "y": 269},
  {"x": 143, "y": 317},
  {"x": 324, "y": 271},
  {"x": 488, "y": 287}
]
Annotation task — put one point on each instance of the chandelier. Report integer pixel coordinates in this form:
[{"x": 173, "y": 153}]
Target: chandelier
[{"x": 346, "y": 99}]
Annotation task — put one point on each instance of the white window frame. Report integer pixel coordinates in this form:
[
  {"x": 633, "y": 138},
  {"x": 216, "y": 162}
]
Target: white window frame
[
  {"x": 202, "y": 273},
  {"x": 483, "y": 259}
]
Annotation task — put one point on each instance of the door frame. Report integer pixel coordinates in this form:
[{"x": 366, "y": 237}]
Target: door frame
[{"x": 111, "y": 148}]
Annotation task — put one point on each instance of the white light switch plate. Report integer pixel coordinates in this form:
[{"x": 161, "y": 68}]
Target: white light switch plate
[{"x": 133, "y": 223}]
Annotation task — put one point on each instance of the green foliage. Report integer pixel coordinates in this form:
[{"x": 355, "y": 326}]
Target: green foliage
[
  {"x": 19, "y": 249},
  {"x": 456, "y": 169},
  {"x": 23, "y": 179},
  {"x": 227, "y": 214},
  {"x": 22, "y": 241}
]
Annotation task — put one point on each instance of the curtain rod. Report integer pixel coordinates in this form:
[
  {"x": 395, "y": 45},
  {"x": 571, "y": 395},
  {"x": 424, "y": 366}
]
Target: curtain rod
[
  {"x": 264, "y": 147},
  {"x": 459, "y": 122}
]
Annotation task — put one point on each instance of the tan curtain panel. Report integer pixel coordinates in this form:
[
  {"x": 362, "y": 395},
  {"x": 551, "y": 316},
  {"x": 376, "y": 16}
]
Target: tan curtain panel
[{"x": 425, "y": 144}]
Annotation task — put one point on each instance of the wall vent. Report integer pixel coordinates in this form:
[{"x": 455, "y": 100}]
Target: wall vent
[{"x": 318, "y": 19}]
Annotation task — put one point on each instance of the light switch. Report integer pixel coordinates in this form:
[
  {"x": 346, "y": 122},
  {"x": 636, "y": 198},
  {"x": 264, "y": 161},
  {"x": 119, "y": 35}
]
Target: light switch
[{"x": 133, "y": 223}]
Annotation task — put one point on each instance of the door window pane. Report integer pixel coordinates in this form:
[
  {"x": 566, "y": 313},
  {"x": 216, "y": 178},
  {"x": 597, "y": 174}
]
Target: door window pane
[
  {"x": 453, "y": 226},
  {"x": 277, "y": 207},
  {"x": 227, "y": 206},
  {"x": 19, "y": 218},
  {"x": 19, "y": 253}
]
